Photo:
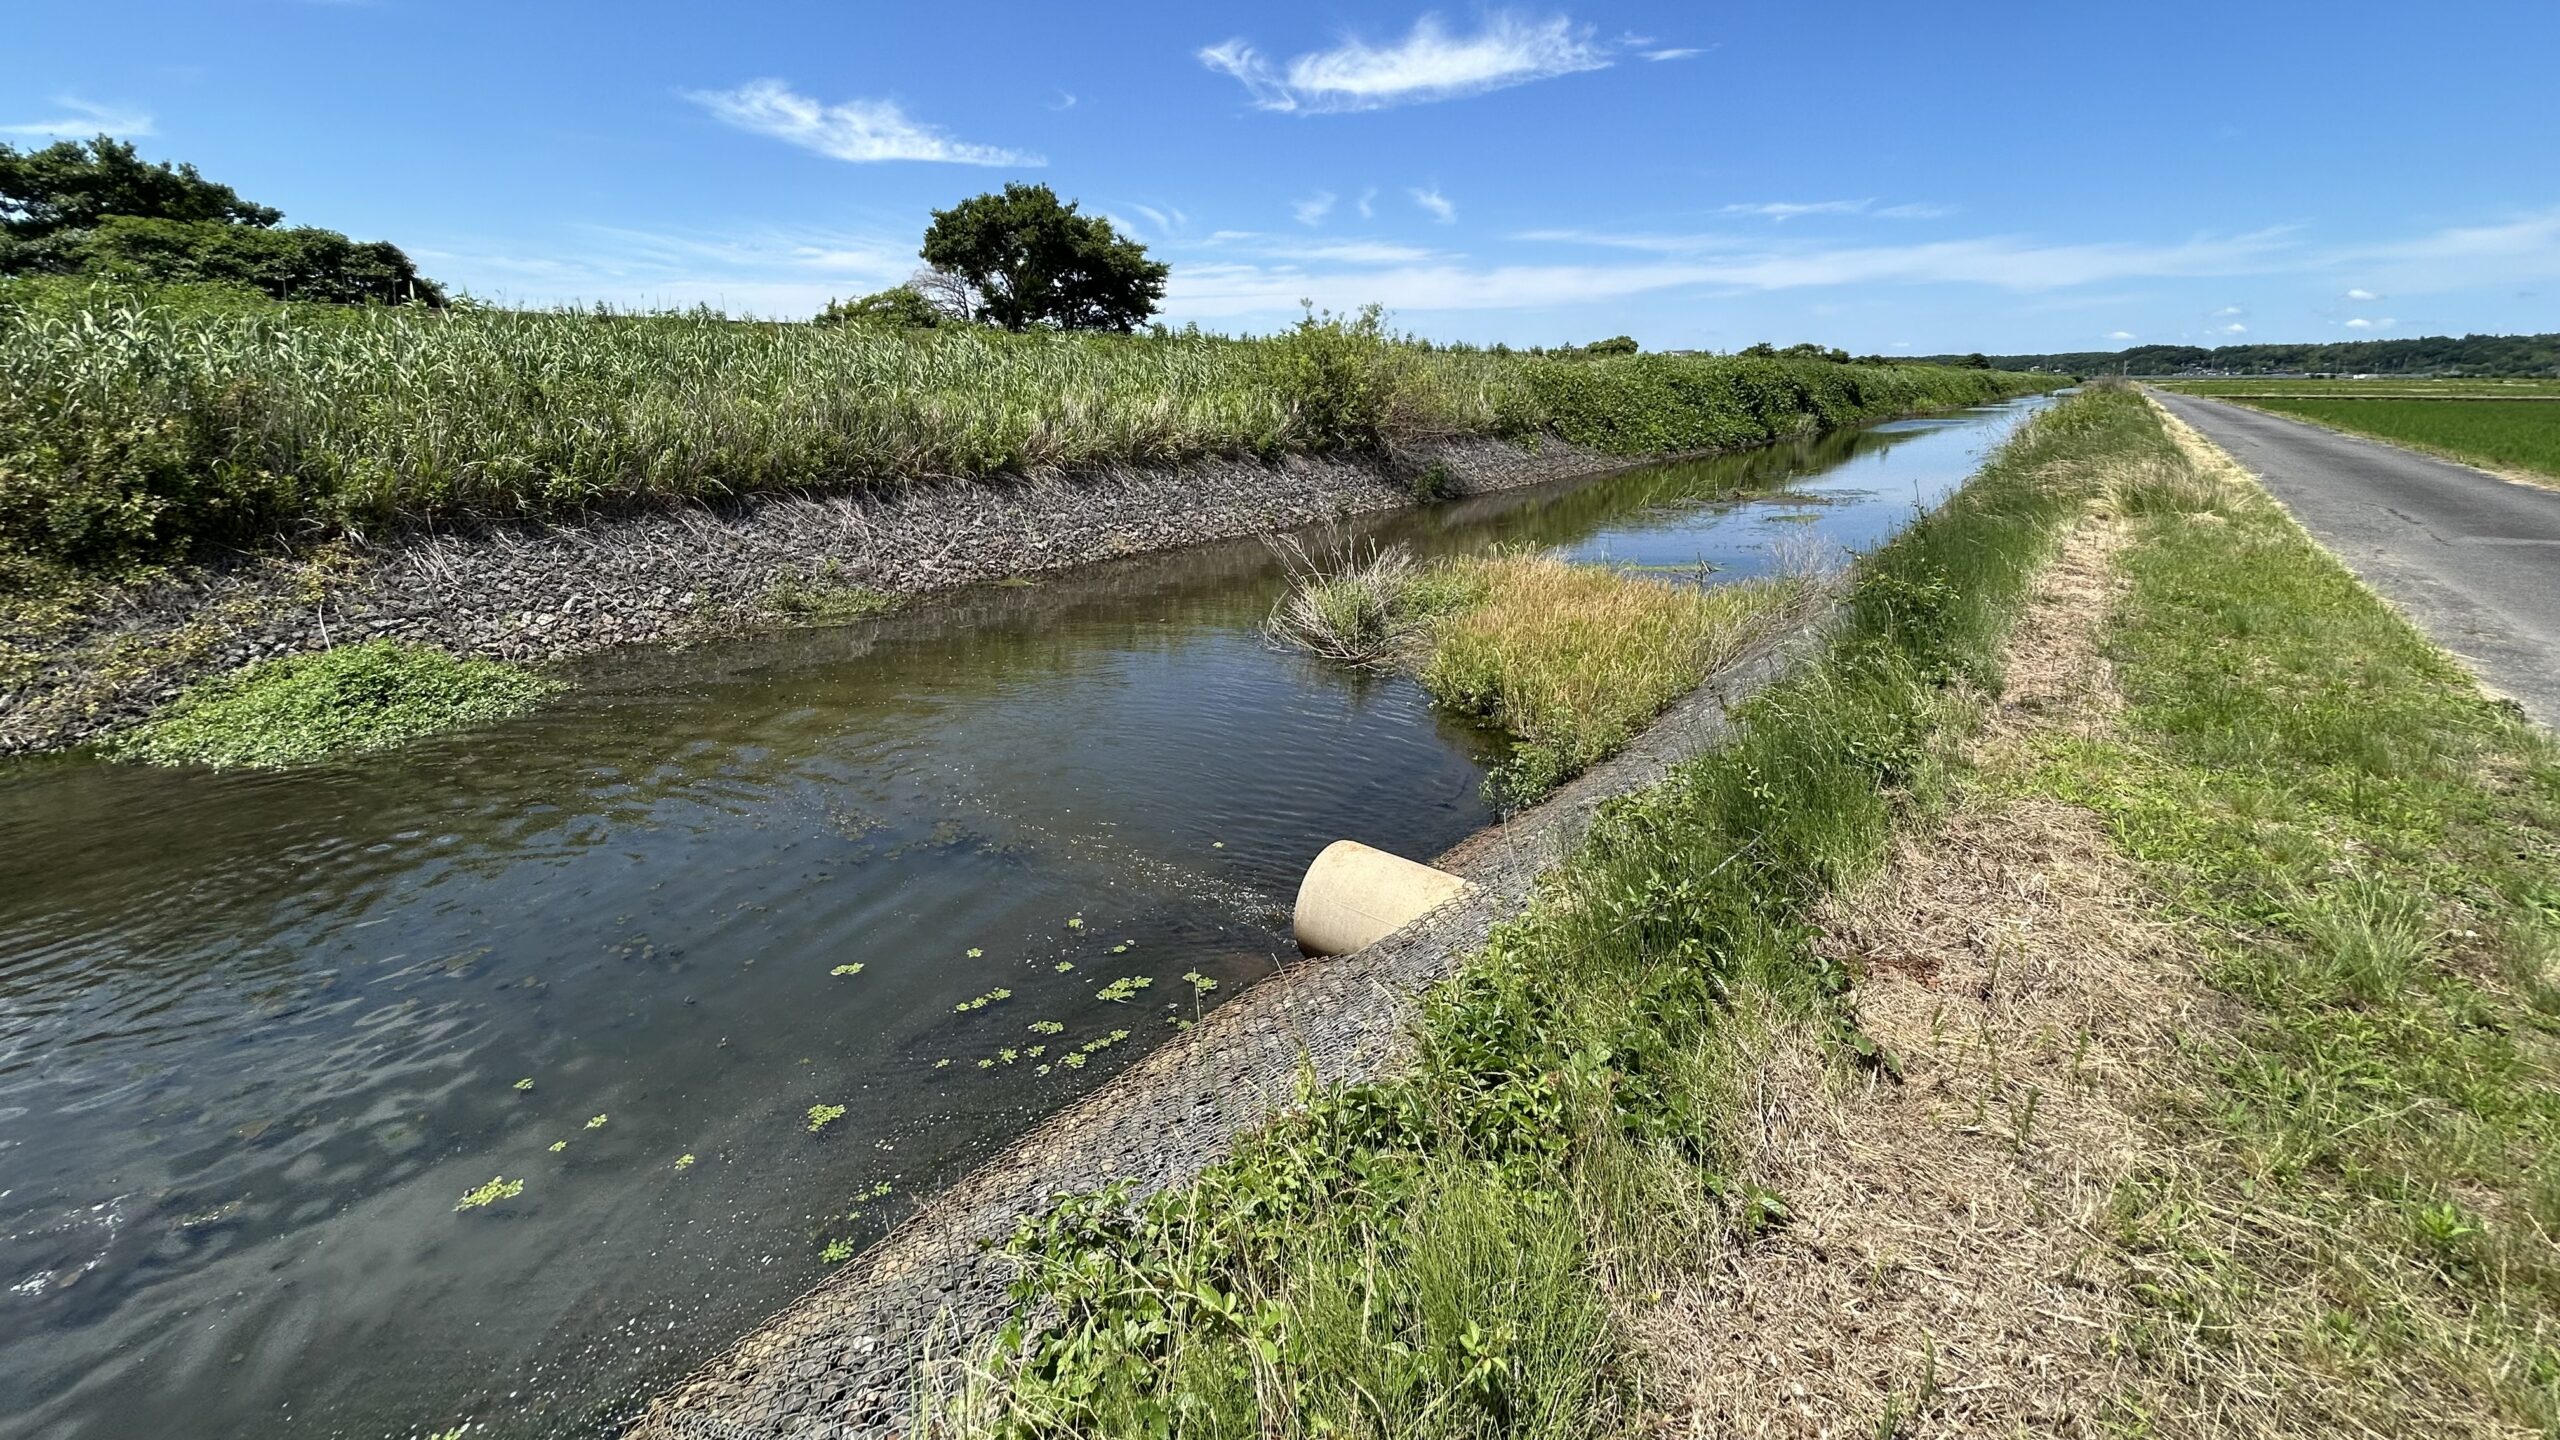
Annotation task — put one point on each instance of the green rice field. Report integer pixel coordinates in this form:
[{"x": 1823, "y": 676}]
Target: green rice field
[{"x": 2504, "y": 434}]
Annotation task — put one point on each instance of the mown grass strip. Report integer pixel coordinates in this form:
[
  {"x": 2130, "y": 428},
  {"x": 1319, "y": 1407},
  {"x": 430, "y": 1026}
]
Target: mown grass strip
[
  {"x": 356, "y": 698},
  {"x": 1429, "y": 1254},
  {"x": 2351, "y": 1226}
]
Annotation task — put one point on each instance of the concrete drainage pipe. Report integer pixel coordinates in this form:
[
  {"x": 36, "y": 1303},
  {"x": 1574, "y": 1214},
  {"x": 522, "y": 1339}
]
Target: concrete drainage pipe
[{"x": 1355, "y": 896}]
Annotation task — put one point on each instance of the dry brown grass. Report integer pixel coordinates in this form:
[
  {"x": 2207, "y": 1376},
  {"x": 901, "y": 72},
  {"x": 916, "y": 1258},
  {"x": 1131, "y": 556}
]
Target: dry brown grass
[{"x": 1943, "y": 1273}]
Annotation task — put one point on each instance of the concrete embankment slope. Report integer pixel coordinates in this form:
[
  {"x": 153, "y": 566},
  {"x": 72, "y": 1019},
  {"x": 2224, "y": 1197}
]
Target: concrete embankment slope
[
  {"x": 842, "y": 1362},
  {"x": 2473, "y": 559}
]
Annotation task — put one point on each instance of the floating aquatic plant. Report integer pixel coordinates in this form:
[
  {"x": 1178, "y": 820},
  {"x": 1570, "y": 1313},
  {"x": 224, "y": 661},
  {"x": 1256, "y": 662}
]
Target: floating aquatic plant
[
  {"x": 559, "y": 1145},
  {"x": 595, "y": 1122},
  {"x": 1044, "y": 1027},
  {"x": 1120, "y": 990},
  {"x": 853, "y": 969},
  {"x": 499, "y": 1188},
  {"x": 822, "y": 1116},
  {"x": 1200, "y": 982},
  {"x": 837, "y": 1252},
  {"x": 525, "y": 1084},
  {"x": 684, "y": 1162},
  {"x": 976, "y": 954}
]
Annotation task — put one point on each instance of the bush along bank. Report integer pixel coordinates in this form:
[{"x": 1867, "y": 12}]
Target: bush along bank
[
  {"x": 1568, "y": 661},
  {"x": 1431, "y": 1253}
]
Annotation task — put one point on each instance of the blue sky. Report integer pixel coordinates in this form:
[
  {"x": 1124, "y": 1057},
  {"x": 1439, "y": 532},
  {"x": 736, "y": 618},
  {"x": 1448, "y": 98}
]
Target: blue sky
[{"x": 1880, "y": 177}]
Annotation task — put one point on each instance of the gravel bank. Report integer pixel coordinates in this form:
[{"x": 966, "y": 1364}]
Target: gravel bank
[
  {"x": 535, "y": 593},
  {"x": 842, "y": 1361}
]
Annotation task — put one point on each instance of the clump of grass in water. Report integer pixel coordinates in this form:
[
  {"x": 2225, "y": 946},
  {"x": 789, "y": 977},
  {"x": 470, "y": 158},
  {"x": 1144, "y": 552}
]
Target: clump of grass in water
[
  {"x": 352, "y": 699},
  {"x": 1572, "y": 660},
  {"x": 1568, "y": 660},
  {"x": 823, "y": 599}
]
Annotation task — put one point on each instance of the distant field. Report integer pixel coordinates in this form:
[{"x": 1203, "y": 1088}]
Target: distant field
[
  {"x": 2367, "y": 389},
  {"x": 2501, "y": 434}
]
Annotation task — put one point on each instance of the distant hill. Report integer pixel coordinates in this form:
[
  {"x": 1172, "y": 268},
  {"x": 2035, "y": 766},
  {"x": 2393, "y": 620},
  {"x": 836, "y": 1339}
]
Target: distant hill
[{"x": 2427, "y": 355}]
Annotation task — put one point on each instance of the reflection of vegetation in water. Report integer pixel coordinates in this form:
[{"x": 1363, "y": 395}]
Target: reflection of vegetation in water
[{"x": 355, "y": 698}]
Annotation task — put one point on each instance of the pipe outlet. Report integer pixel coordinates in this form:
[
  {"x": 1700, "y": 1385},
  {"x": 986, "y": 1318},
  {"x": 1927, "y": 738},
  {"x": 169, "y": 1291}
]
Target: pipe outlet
[{"x": 1355, "y": 896}]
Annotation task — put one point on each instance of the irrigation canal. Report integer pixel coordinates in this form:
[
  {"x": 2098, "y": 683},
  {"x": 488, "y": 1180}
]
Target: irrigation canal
[{"x": 260, "y": 1032}]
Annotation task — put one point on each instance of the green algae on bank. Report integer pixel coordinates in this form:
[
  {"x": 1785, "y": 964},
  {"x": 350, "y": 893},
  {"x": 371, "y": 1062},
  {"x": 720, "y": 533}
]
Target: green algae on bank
[{"x": 356, "y": 698}]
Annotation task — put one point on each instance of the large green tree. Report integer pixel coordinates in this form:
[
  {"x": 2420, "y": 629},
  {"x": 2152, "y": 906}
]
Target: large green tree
[
  {"x": 98, "y": 207},
  {"x": 1033, "y": 260},
  {"x": 294, "y": 262}
]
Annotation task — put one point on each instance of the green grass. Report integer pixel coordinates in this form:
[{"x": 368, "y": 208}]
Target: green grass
[
  {"x": 1567, "y": 661},
  {"x": 306, "y": 707},
  {"x": 2500, "y": 434},
  {"x": 2379, "y": 387},
  {"x": 1428, "y": 1254},
  {"x": 138, "y": 426},
  {"x": 2354, "y": 1232},
  {"x": 1571, "y": 661}
]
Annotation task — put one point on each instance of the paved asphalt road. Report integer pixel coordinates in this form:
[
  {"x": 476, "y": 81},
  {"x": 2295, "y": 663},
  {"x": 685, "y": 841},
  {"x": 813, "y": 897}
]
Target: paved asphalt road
[{"x": 2473, "y": 559}]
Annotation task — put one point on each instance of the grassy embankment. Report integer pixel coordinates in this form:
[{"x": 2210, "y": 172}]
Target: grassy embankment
[
  {"x": 139, "y": 429},
  {"x": 1569, "y": 661},
  {"x": 2491, "y": 423},
  {"x": 1434, "y": 1253},
  {"x": 2345, "y": 1202},
  {"x": 2349, "y": 1224}
]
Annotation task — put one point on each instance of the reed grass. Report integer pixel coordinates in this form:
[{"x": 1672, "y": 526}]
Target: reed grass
[{"x": 143, "y": 425}]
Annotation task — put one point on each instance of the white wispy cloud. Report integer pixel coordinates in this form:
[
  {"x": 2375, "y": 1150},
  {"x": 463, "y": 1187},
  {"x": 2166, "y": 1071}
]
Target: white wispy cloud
[
  {"x": 1313, "y": 209},
  {"x": 2227, "y": 311},
  {"x": 1675, "y": 53},
  {"x": 862, "y": 131},
  {"x": 2235, "y": 328},
  {"x": 780, "y": 273},
  {"x": 2360, "y": 293},
  {"x": 1431, "y": 63},
  {"x": 1785, "y": 210},
  {"x": 1228, "y": 290},
  {"x": 1368, "y": 203},
  {"x": 1793, "y": 209},
  {"x": 2008, "y": 262},
  {"x": 78, "y": 119},
  {"x": 2121, "y": 335},
  {"x": 2361, "y": 323},
  {"x": 1439, "y": 205}
]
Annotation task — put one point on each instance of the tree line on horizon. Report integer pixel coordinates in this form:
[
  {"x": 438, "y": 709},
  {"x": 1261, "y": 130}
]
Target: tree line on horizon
[{"x": 2481, "y": 355}]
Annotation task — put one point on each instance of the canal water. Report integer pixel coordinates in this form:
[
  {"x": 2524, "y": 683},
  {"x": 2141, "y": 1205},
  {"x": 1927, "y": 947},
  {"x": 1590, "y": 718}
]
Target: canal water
[{"x": 260, "y": 1033}]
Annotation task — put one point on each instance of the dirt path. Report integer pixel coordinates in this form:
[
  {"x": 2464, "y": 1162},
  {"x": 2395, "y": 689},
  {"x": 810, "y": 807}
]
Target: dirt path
[{"x": 1942, "y": 1270}]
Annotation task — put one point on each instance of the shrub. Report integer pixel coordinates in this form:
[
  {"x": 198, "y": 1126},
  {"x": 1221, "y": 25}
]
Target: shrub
[{"x": 1342, "y": 377}]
